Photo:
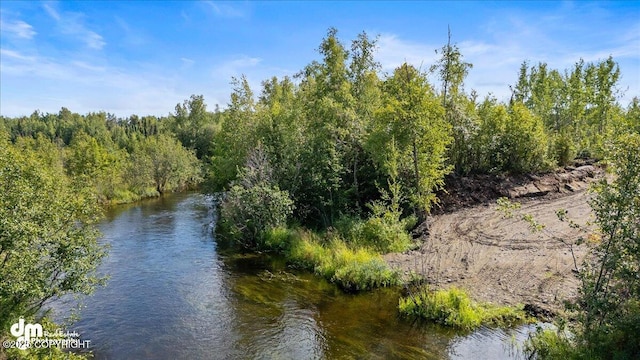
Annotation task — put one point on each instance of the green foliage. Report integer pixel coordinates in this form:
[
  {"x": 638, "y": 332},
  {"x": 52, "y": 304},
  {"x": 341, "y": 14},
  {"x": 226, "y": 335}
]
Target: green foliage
[
  {"x": 611, "y": 288},
  {"x": 90, "y": 162},
  {"x": 564, "y": 150},
  {"x": 193, "y": 126},
  {"x": 353, "y": 269},
  {"x": 411, "y": 125},
  {"x": 162, "y": 162},
  {"x": 524, "y": 142},
  {"x": 48, "y": 244},
  {"x": 607, "y": 310},
  {"x": 237, "y": 136},
  {"x": 508, "y": 209},
  {"x": 254, "y": 205},
  {"x": 509, "y": 140},
  {"x": 384, "y": 231},
  {"x": 579, "y": 104},
  {"x": 454, "y": 308},
  {"x": 552, "y": 344}
]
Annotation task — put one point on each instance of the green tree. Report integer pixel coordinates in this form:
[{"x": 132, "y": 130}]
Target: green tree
[
  {"x": 281, "y": 130},
  {"x": 90, "y": 162},
  {"x": 48, "y": 242},
  {"x": 524, "y": 142},
  {"x": 459, "y": 109},
  {"x": 412, "y": 118},
  {"x": 162, "y": 162},
  {"x": 607, "y": 310},
  {"x": 610, "y": 295},
  {"x": 236, "y": 137},
  {"x": 329, "y": 117},
  {"x": 193, "y": 125},
  {"x": 367, "y": 98}
]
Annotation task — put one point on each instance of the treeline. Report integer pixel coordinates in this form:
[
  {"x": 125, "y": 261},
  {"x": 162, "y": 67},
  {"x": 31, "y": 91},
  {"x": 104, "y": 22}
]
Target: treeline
[
  {"x": 122, "y": 160},
  {"x": 343, "y": 134}
]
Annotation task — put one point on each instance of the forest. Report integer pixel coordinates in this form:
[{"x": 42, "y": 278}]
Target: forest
[{"x": 329, "y": 168}]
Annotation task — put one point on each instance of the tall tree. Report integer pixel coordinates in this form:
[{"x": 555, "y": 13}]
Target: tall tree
[
  {"x": 412, "y": 120},
  {"x": 48, "y": 244},
  {"x": 162, "y": 162},
  {"x": 459, "y": 110}
]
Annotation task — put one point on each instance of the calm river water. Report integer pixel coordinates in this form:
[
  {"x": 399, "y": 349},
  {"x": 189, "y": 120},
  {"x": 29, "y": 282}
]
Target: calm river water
[{"x": 173, "y": 294}]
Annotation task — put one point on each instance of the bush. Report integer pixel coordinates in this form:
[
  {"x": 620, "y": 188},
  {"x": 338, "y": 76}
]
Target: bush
[
  {"x": 384, "y": 231},
  {"x": 454, "y": 308},
  {"x": 248, "y": 213},
  {"x": 563, "y": 149},
  {"x": 254, "y": 206}
]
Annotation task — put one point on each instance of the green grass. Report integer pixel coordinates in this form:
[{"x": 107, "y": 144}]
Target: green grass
[
  {"x": 551, "y": 344},
  {"x": 454, "y": 308},
  {"x": 351, "y": 267},
  {"x": 383, "y": 233}
]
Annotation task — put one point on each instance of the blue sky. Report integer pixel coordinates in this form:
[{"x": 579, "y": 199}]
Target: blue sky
[{"x": 144, "y": 57}]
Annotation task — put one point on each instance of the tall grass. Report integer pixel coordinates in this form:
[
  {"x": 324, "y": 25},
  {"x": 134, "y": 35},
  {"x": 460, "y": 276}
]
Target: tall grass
[
  {"x": 351, "y": 267},
  {"x": 454, "y": 308}
]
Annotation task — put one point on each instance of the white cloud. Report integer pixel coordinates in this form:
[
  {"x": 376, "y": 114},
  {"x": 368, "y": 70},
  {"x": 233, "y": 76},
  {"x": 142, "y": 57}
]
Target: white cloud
[
  {"x": 52, "y": 12},
  {"x": 93, "y": 40},
  {"x": 71, "y": 23},
  {"x": 393, "y": 52},
  {"x": 235, "y": 67},
  {"x": 499, "y": 46},
  {"x": 18, "y": 28},
  {"x": 186, "y": 62},
  {"x": 82, "y": 87},
  {"x": 225, "y": 10},
  {"x": 15, "y": 55}
]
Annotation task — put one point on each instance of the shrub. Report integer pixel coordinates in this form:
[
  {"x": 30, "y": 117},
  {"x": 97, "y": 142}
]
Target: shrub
[
  {"x": 384, "y": 231},
  {"x": 247, "y": 213},
  {"x": 563, "y": 149},
  {"x": 253, "y": 206}
]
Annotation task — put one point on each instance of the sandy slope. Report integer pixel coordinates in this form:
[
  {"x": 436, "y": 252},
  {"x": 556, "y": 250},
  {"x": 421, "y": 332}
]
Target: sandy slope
[{"x": 500, "y": 259}]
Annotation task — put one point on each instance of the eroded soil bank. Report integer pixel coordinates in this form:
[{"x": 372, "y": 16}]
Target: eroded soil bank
[{"x": 469, "y": 244}]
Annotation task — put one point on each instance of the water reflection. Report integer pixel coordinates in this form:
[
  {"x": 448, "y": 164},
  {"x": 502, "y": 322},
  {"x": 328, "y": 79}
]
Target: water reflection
[{"x": 173, "y": 295}]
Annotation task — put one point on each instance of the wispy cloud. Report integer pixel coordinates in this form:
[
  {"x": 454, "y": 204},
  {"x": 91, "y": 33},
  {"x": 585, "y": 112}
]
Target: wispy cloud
[
  {"x": 186, "y": 63},
  {"x": 225, "y": 9},
  {"x": 393, "y": 52},
  {"x": 132, "y": 35},
  {"x": 122, "y": 91},
  {"x": 71, "y": 23},
  {"x": 52, "y": 12},
  {"x": 18, "y": 29},
  {"x": 15, "y": 55},
  {"x": 235, "y": 67}
]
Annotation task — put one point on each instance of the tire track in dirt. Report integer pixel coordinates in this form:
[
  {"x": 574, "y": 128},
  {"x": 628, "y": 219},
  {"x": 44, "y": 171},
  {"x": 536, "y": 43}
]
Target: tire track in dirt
[{"x": 500, "y": 259}]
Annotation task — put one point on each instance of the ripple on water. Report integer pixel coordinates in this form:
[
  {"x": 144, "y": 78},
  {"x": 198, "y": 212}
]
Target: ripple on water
[{"x": 171, "y": 295}]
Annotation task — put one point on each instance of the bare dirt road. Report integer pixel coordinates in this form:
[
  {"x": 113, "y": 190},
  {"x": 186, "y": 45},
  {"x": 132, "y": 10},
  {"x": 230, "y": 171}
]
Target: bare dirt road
[{"x": 500, "y": 259}]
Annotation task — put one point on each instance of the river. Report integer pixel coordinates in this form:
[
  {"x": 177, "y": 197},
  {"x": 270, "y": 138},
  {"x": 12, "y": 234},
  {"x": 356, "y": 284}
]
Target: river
[{"x": 173, "y": 293}]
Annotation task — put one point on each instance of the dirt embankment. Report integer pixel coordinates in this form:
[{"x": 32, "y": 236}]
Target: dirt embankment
[{"x": 469, "y": 244}]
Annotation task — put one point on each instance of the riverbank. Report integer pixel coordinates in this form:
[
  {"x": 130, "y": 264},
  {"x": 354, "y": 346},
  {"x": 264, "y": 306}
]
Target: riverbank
[{"x": 470, "y": 244}]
